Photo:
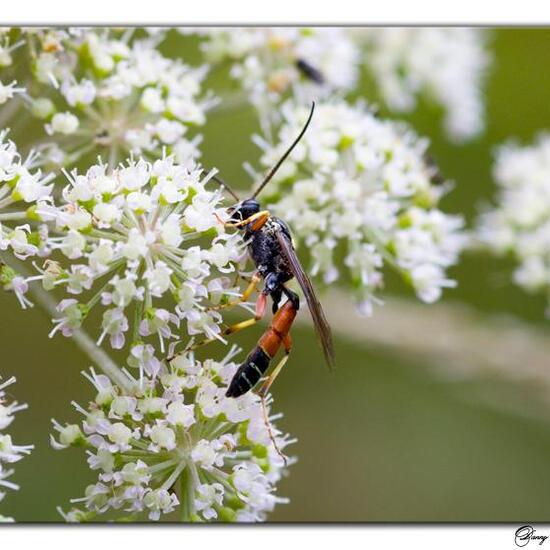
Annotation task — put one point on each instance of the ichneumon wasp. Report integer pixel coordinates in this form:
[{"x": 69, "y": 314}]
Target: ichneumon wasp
[{"x": 270, "y": 247}]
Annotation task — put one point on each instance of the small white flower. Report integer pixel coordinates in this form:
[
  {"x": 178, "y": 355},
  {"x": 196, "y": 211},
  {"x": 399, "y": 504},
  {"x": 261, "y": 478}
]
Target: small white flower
[
  {"x": 168, "y": 131},
  {"x": 103, "y": 460},
  {"x": 64, "y": 123},
  {"x": 152, "y": 100},
  {"x": 72, "y": 318},
  {"x": 120, "y": 435},
  {"x": 160, "y": 500},
  {"x": 207, "y": 497},
  {"x": 163, "y": 437},
  {"x": 73, "y": 244},
  {"x": 107, "y": 214},
  {"x": 123, "y": 405},
  {"x": 79, "y": 94},
  {"x": 70, "y": 434},
  {"x": 115, "y": 323},
  {"x": 180, "y": 414},
  {"x": 206, "y": 454},
  {"x": 428, "y": 280},
  {"x": 158, "y": 279},
  {"x": 153, "y": 406},
  {"x": 7, "y": 91},
  {"x": 143, "y": 357}
]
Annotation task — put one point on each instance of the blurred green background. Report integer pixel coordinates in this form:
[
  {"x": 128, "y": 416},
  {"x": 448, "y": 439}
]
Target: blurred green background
[{"x": 384, "y": 439}]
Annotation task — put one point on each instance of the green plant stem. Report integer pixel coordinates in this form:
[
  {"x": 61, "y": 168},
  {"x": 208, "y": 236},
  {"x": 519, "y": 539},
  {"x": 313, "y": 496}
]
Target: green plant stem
[
  {"x": 81, "y": 338},
  {"x": 13, "y": 216}
]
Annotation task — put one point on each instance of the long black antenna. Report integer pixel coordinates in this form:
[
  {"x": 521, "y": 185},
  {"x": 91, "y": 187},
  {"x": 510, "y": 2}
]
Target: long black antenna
[
  {"x": 227, "y": 188},
  {"x": 273, "y": 171}
]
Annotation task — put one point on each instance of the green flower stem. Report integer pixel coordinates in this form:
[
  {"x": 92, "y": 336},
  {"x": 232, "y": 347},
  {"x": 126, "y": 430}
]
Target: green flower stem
[
  {"x": 13, "y": 216},
  {"x": 184, "y": 496},
  {"x": 174, "y": 475}
]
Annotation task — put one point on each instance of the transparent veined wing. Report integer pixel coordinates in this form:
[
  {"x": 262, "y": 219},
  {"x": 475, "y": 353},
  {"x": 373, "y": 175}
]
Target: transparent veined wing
[{"x": 320, "y": 322}]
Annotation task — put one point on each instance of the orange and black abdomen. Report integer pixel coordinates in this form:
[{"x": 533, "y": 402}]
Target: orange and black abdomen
[{"x": 257, "y": 362}]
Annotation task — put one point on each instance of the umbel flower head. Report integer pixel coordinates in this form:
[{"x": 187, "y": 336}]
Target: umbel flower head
[
  {"x": 127, "y": 238},
  {"x": 175, "y": 443},
  {"x": 9, "y": 452},
  {"x": 448, "y": 65},
  {"x": 361, "y": 187},
  {"x": 519, "y": 225},
  {"x": 105, "y": 92},
  {"x": 271, "y": 62}
]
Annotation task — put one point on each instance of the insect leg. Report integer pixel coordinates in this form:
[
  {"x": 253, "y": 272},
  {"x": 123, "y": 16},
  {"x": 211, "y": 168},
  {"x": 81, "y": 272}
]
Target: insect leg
[
  {"x": 287, "y": 342},
  {"x": 248, "y": 291},
  {"x": 237, "y": 327}
]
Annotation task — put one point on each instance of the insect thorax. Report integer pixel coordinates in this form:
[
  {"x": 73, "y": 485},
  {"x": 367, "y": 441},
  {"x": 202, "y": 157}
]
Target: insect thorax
[{"x": 265, "y": 250}]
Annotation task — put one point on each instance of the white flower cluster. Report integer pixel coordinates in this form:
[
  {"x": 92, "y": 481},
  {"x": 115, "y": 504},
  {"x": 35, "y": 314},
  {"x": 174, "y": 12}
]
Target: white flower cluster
[
  {"x": 23, "y": 189},
  {"x": 361, "y": 188},
  {"x": 448, "y": 64},
  {"x": 103, "y": 92},
  {"x": 520, "y": 223},
  {"x": 267, "y": 62},
  {"x": 128, "y": 238},
  {"x": 9, "y": 453},
  {"x": 177, "y": 443},
  {"x": 8, "y": 84}
]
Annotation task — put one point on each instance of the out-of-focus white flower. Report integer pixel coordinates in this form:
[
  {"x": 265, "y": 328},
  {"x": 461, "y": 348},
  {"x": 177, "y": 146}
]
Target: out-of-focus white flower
[
  {"x": 177, "y": 443},
  {"x": 104, "y": 92},
  {"x": 362, "y": 187},
  {"x": 7, "y": 47},
  {"x": 7, "y": 91},
  {"x": 519, "y": 225},
  {"x": 8, "y": 84},
  {"x": 9, "y": 453},
  {"x": 128, "y": 239},
  {"x": 63, "y": 123},
  {"x": 270, "y": 62},
  {"x": 447, "y": 64}
]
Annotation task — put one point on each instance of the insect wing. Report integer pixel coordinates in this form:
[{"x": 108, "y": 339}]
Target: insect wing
[{"x": 320, "y": 322}]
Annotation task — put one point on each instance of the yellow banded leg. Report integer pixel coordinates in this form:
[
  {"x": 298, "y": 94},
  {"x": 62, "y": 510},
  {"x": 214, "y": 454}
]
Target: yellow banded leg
[
  {"x": 248, "y": 291},
  {"x": 263, "y": 391},
  {"x": 232, "y": 329}
]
